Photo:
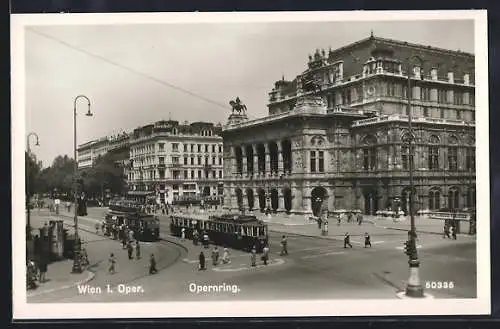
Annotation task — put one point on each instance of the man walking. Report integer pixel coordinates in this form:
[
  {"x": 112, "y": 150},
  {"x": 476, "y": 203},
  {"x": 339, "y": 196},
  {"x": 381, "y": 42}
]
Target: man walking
[
  {"x": 265, "y": 254},
  {"x": 152, "y": 264},
  {"x": 137, "y": 250},
  {"x": 367, "y": 240},
  {"x": 347, "y": 240},
  {"x": 253, "y": 256},
  {"x": 201, "y": 259},
  {"x": 284, "y": 250},
  {"x": 130, "y": 250},
  {"x": 112, "y": 262}
]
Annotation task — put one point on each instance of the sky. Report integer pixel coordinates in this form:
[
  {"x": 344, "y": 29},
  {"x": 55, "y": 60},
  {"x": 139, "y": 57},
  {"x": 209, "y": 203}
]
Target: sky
[{"x": 132, "y": 73}]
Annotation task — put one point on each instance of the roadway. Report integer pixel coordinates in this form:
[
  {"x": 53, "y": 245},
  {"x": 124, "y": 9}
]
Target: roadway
[{"x": 316, "y": 268}]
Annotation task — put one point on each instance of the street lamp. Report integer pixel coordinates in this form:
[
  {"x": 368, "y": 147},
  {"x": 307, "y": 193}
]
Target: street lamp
[
  {"x": 414, "y": 287},
  {"x": 77, "y": 266},
  {"x": 28, "y": 224}
]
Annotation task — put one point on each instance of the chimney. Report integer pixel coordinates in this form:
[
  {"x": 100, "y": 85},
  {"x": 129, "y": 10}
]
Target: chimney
[
  {"x": 450, "y": 77},
  {"x": 434, "y": 74}
]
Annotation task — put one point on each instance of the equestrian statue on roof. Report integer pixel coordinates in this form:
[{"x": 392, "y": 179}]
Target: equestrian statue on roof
[{"x": 238, "y": 106}]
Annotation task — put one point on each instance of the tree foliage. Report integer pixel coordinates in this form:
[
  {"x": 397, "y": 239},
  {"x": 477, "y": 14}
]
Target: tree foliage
[{"x": 105, "y": 174}]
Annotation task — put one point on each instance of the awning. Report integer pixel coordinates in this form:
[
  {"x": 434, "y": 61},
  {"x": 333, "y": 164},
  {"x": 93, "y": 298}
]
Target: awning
[{"x": 141, "y": 193}]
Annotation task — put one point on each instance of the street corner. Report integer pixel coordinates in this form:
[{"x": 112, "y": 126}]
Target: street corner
[{"x": 55, "y": 285}]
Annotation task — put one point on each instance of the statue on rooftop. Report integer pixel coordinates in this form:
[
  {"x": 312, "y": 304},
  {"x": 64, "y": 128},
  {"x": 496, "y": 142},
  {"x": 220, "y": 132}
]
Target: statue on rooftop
[{"x": 238, "y": 106}]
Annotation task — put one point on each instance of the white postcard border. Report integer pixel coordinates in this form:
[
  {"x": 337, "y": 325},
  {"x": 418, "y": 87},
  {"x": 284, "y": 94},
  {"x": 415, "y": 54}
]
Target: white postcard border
[{"x": 368, "y": 307}]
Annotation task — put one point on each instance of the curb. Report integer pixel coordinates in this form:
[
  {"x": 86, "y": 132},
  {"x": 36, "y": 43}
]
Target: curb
[
  {"x": 89, "y": 277},
  {"x": 425, "y": 232}
]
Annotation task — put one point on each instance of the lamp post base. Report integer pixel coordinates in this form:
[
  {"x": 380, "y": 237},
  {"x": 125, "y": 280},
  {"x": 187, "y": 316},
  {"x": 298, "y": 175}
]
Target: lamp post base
[
  {"x": 414, "y": 289},
  {"x": 77, "y": 267}
]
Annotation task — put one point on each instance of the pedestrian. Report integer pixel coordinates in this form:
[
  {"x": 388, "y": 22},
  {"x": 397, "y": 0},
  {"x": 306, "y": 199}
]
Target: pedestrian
[
  {"x": 339, "y": 219},
  {"x": 152, "y": 264},
  {"x": 349, "y": 217},
  {"x": 196, "y": 236},
  {"x": 131, "y": 235},
  {"x": 137, "y": 250},
  {"x": 319, "y": 222},
  {"x": 130, "y": 250},
  {"x": 183, "y": 234},
  {"x": 325, "y": 228},
  {"x": 347, "y": 240},
  {"x": 225, "y": 257},
  {"x": 215, "y": 256},
  {"x": 454, "y": 232},
  {"x": 201, "y": 265},
  {"x": 265, "y": 254},
  {"x": 124, "y": 238},
  {"x": 446, "y": 230},
  {"x": 253, "y": 256},
  {"x": 96, "y": 228},
  {"x": 104, "y": 229},
  {"x": 360, "y": 219},
  {"x": 367, "y": 240},
  {"x": 112, "y": 262},
  {"x": 284, "y": 250},
  {"x": 42, "y": 268}
]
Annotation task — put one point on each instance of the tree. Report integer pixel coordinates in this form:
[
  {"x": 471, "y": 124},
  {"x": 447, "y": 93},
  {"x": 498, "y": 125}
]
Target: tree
[
  {"x": 32, "y": 173},
  {"x": 58, "y": 176},
  {"x": 105, "y": 174}
]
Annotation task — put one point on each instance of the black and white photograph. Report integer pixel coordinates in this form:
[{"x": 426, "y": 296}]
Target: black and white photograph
[{"x": 250, "y": 164}]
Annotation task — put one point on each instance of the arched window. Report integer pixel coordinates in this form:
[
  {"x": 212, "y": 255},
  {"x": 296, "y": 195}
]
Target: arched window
[
  {"x": 406, "y": 155},
  {"x": 434, "y": 199},
  {"x": 453, "y": 153},
  {"x": 174, "y": 131},
  {"x": 369, "y": 153},
  {"x": 453, "y": 198},
  {"x": 433, "y": 153}
]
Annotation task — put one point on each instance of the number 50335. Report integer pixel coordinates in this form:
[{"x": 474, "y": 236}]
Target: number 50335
[{"x": 439, "y": 285}]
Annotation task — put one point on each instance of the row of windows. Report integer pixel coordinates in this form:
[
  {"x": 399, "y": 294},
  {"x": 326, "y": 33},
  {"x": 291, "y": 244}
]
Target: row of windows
[
  {"x": 176, "y": 174},
  {"x": 175, "y": 160},
  {"x": 355, "y": 94},
  {"x": 176, "y": 148}
]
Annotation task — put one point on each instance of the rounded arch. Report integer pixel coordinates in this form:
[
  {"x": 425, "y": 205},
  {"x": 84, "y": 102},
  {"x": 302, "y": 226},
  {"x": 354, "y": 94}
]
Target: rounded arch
[
  {"x": 318, "y": 197},
  {"x": 453, "y": 198},
  {"x": 453, "y": 140},
  {"x": 434, "y": 198},
  {"x": 318, "y": 141},
  {"x": 434, "y": 139},
  {"x": 287, "y": 198},
  {"x": 369, "y": 140},
  {"x": 250, "y": 198},
  {"x": 262, "y": 198}
]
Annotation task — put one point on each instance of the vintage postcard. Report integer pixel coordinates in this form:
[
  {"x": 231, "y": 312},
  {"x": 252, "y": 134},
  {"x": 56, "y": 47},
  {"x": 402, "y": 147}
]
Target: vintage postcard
[{"x": 250, "y": 164}]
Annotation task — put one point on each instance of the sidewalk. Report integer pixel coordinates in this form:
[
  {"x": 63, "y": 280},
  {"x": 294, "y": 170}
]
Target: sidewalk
[
  {"x": 423, "y": 224},
  {"x": 99, "y": 249}
]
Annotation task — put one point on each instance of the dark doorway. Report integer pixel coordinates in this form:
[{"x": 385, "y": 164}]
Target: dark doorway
[
  {"x": 287, "y": 198},
  {"x": 251, "y": 200},
  {"x": 239, "y": 198},
  {"x": 274, "y": 199},
  {"x": 318, "y": 196},
  {"x": 206, "y": 191},
  {"x": 371, "y": 201},
  {"x": 262, "y": 199}
]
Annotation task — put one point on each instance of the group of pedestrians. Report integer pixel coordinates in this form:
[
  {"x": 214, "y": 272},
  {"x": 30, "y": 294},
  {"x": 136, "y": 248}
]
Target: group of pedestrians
[{"x": 347, "y": 240}]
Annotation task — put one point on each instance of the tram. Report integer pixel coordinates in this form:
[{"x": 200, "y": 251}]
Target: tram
[
  {"x": 241, "y": 232},
  {"x": 146, "y": 227}
]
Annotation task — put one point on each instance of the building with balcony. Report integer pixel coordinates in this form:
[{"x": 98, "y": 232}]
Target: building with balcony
[
  {"x": 170, "y": 161},
  {"x": 337, "y": 134}
]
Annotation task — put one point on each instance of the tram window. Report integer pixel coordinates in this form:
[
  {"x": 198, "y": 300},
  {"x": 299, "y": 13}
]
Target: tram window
[{"x": 255, "y": 231}]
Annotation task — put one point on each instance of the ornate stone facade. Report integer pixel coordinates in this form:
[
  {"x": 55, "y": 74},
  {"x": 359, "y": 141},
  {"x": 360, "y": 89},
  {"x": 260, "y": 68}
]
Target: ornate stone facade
[{"x": 343, "y": 138}]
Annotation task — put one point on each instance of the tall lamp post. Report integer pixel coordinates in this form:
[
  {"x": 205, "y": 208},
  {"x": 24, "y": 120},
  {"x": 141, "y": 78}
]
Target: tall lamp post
[
  {"x": 77, "y": 266},
  {"x": 414, "y": 287},
  {"x": 28, "y": 198}
]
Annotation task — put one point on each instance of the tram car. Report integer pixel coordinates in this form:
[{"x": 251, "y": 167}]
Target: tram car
[
  {"x": 240, "y": 232},
  {"x": 146, "y": 227}
]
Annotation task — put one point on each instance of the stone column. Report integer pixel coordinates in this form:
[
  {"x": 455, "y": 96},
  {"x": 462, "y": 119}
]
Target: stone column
[
  {"x": 232, "y": 159},
  {"x": 244, "y": 170},
  {"x": 267, "y": 165},
  {"x": 306, "y": 200},
  {"x": 255, "y": 160},
  {"x": 227, "y": 196},
  {"x": 280, "y": 158},
  {"x": 331, "y": 199},
  {"x": 245, "y": 199}
]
